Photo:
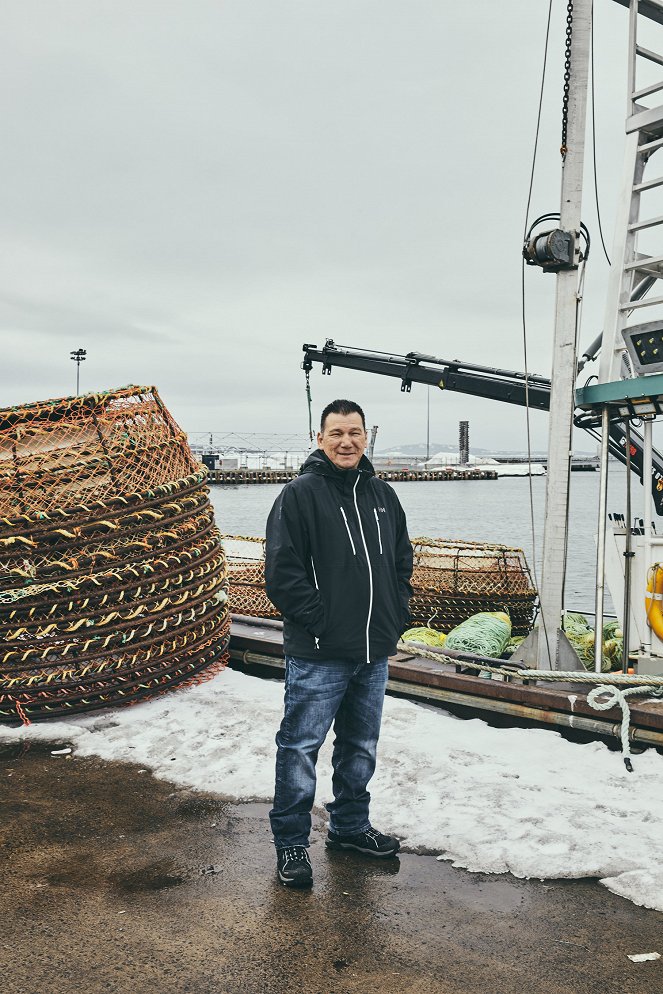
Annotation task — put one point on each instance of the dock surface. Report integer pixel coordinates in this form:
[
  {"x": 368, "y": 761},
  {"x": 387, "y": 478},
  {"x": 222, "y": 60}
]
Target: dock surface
[{"x": 115, "y": 881}]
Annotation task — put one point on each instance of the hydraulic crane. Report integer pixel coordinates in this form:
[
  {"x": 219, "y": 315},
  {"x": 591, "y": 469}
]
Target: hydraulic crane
[{"x": 507, "y": 386}]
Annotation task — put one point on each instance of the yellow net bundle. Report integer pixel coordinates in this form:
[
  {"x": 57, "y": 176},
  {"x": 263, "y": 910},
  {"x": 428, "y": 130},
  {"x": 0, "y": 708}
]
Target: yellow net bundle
[{"x": 113, "y": 581}]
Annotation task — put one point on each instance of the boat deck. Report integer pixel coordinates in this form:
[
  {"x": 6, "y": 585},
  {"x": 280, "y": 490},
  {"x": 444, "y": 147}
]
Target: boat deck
[{"x": 258, "y": 642}]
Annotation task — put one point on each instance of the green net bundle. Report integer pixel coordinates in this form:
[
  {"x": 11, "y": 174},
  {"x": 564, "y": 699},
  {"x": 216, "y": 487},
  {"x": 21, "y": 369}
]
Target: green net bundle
[
  {"x": 514, "y": 643},
  {"x": 583, "y": 637},
  {"x": 486, "y": 634}
]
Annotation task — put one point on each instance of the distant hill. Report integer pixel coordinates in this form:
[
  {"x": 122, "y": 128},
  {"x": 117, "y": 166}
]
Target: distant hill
[{"x": 417, "y": 450}]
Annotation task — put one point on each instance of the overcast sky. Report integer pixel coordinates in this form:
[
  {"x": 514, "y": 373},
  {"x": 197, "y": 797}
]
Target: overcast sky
[{"x": 191, "y": 190}]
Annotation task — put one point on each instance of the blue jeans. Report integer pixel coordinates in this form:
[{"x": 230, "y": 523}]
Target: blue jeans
[{"x": 316, "y": 694}]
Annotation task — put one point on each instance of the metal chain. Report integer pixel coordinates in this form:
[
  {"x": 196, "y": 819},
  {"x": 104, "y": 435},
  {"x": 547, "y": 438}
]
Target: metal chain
[{"x": 567, "y": 77}]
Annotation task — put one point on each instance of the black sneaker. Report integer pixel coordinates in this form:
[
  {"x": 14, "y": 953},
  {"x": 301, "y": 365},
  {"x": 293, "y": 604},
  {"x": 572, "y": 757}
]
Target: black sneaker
[
  {"x": 371, "y": 842},
  {"x": 294, "y": 867}
]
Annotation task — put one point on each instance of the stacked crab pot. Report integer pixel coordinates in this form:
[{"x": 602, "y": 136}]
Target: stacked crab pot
[
  {"x": 451, "y": 581},
  {"x": 113, "y": 581}
]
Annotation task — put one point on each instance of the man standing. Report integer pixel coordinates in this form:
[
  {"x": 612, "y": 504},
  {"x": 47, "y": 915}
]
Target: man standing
[{"x": 338, "y": 568}]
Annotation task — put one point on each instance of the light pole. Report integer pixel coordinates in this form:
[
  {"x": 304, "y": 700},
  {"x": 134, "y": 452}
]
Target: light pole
[
  {"x": 78, "y": 356},
  {"x": 427, "y": 423}
]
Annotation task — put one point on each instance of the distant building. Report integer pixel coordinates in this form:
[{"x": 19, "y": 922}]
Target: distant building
[{"x": 453, "y": 459}]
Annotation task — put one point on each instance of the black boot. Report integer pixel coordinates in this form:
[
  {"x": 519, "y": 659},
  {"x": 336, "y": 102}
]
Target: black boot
[
  {"x": 294, "y": 867},
  {"x": 371, "y": 843}
]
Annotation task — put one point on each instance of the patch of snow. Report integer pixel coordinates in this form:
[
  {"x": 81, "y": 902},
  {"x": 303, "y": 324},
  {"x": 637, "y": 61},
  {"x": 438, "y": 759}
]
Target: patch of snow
[{"x": 523, "y": 801}]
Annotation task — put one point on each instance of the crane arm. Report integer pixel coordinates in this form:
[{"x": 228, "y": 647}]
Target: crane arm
[{"x": 507, "y": 386}]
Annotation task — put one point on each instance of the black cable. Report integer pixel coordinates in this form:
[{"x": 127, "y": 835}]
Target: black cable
[
  {"x": 522, "y": 282},
  {"x": 596, "y": 182},
  {"x": 538, "y": 118}
]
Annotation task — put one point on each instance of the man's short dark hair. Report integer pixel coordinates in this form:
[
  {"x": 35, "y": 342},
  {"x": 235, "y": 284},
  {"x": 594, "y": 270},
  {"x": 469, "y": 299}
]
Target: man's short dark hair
[{"x": 343, "y": 407}]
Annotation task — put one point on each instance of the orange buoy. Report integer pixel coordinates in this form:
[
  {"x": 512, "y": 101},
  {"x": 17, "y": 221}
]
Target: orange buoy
[{"x": 654, "y": 599}]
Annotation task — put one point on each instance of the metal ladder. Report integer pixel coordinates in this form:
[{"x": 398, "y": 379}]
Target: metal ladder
[{"x": 634, "y": 273}]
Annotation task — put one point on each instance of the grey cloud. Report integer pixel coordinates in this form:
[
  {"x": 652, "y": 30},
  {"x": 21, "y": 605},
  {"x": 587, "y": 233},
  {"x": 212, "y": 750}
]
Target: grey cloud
[{"x": 190, "y": 191}]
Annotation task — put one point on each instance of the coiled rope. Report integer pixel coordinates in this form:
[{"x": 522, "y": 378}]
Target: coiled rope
[{"x": 606, "y": 693}]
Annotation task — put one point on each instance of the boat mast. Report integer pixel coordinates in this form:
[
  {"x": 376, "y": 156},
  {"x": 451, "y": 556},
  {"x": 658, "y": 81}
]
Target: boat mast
[{"x": 555, "y": 537}]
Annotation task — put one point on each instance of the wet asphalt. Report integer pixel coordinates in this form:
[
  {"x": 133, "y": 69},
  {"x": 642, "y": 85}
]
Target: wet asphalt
[{"x": 116, "y": 882}]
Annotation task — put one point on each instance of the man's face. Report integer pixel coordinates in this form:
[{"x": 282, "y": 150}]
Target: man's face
[{"x": 343, "y": 439}]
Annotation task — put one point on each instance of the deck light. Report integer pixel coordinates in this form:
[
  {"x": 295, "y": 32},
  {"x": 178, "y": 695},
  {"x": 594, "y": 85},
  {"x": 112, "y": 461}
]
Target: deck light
[{"x": 645, "y": 346}]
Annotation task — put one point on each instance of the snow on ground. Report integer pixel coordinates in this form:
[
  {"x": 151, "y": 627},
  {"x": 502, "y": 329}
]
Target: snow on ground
[{"x": 492, "y": 800}]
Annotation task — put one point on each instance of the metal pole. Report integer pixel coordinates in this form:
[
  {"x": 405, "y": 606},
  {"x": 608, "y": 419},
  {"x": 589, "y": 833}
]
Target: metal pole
[
  {"x": 78, "y": 356},
  {"x": 632, "y": 57},
  {"x": 371, "y": 443},
  {"x": 564, "y": 353},
  {"x": 628, "y": 554},
  {"x": 647, "y": 454},
  {"x": 600, "y": 544},
  {"x": 428, "y": 424}
]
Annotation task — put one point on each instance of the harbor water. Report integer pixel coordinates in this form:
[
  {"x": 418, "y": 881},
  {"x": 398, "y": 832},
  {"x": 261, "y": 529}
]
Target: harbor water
[{"x": 474, "y": 510}]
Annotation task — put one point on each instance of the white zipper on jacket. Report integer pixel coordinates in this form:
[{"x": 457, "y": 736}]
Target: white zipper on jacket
[
  {"x": 347, "y": 528},
  {"x": 377, "y": 522},
  {"x": 315, "y": 580},
  {"x": 370, "y": 572}
]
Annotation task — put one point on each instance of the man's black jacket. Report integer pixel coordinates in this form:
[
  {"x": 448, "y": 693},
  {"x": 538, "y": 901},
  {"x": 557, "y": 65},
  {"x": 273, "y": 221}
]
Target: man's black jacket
[{"x": 338, "y": 563}]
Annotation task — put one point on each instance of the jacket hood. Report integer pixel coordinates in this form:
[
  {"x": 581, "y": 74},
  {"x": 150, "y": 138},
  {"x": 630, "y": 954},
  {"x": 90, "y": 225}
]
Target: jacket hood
[{"x": 322, "y": 465}]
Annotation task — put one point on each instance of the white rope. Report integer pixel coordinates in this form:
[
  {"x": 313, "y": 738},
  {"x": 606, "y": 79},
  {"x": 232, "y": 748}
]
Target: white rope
[
  {"x": 575, "y": 676},
  {"x": 601, "y": 698},
  {"x": 613, "y": 697}
]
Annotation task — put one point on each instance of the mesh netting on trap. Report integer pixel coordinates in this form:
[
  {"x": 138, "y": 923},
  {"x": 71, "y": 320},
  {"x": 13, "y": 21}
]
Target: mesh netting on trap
[
  {"x": 450, "y": 582},
  {"x": 113, "y": 581},
  {"x": 453, "y": 580},
  {"x": 246, "y": 577}
]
